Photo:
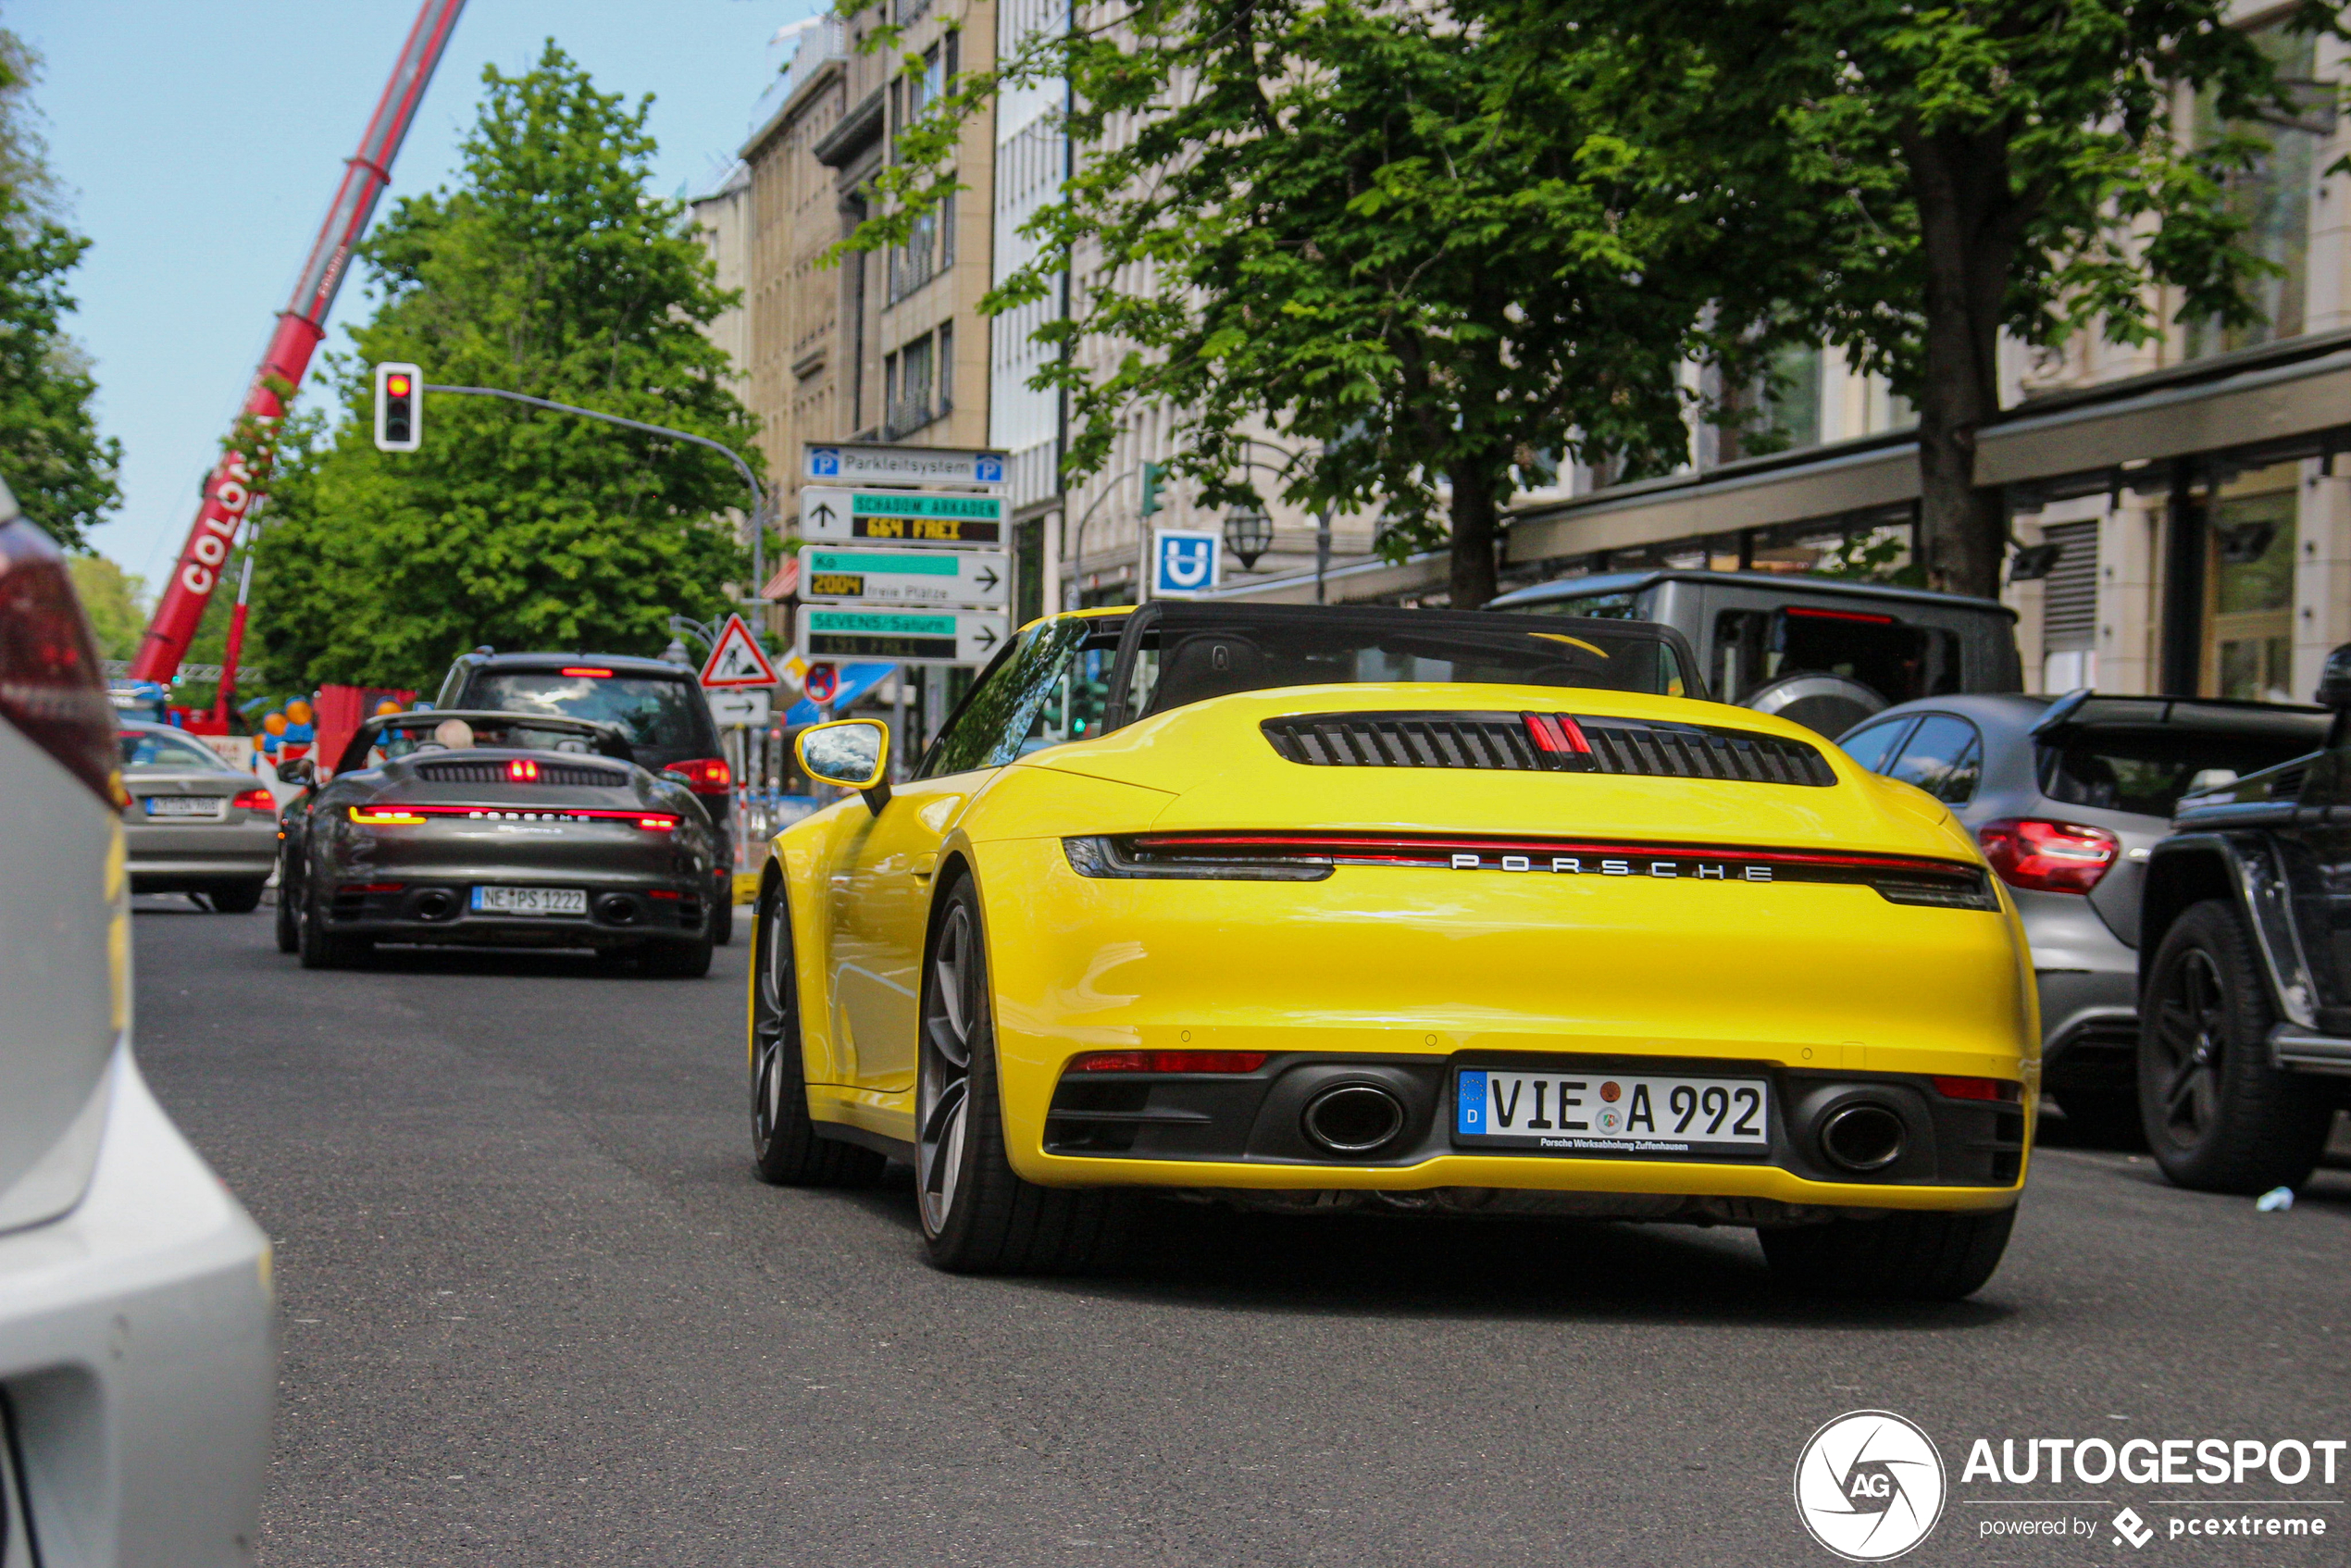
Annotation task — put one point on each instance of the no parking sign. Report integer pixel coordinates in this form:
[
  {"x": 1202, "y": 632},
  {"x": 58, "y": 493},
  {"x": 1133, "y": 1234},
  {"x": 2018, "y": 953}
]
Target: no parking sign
[{"x": 1184, "y": 562}]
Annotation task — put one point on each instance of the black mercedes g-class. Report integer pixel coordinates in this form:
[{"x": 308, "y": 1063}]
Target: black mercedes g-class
[{"x": 2244, "y": 969}]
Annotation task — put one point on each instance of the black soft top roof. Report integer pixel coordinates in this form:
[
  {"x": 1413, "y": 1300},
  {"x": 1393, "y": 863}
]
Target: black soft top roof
[{"x": 608, "y": 738}]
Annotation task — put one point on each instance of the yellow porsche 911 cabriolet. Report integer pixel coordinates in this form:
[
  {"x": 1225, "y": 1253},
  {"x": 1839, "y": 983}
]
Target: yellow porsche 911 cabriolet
[{"x": 1317, "y": 908}]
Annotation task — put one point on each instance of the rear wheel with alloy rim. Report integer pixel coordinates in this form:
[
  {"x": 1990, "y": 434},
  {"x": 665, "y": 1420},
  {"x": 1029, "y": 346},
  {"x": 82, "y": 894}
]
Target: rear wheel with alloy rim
[
  {"x": 2219, "y": 1116},
  {"x": 978, "y": 1215},
  {"x": 785, "y": 1147}
]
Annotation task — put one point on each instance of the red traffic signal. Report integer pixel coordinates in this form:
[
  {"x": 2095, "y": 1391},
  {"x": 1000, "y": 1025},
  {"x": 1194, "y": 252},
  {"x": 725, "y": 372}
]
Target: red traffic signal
[{"x": 399, "y": 407}]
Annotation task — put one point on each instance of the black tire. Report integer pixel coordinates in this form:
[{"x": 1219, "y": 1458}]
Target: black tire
[
  {"x": 322, "y": 949},
  {"x": 785, "y": 1149},
  {"x": 1916, "y": 1257},
  {"x": 2219, "y": 1117},
  {"x": 288, "y": 912},
  {"x": 2105, "y": 1118},
  {"x": 677, "y": 958},
  {"x": 979, "y": 1217},
  {"x": 722, "y": 913},
  {"x": 234, "y": 898}
]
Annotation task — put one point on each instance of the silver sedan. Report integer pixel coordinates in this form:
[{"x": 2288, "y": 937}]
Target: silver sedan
[
  {"x": 195, "y": 824},
  {"x": 2066, "y": 796}
]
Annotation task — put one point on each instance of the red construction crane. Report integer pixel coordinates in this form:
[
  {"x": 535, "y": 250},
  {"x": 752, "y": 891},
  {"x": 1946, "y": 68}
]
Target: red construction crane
[{"x": 244, "y": 471}]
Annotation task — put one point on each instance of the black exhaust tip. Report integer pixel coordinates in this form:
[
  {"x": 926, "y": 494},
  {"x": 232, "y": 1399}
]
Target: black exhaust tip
[
  {"x": 1863, "y": 1135},
  {"x": 1353, "y": 1118},
  {"x": 616, "y": 909}
]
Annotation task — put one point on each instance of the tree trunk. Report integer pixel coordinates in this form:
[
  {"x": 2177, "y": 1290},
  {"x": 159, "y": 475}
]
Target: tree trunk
[
  {"x": 1970, "y": 224},
  {"x": 1475, "y": 531}
]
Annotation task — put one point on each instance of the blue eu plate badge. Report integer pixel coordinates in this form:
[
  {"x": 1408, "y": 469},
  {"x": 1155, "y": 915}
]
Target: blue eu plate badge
[{"x": 1470, "y": 1102}]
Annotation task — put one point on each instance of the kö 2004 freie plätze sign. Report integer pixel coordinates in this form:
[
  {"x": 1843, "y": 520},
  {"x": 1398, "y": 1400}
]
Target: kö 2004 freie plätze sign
[
  {"x": 901, "y": 516},
  {"x": 937, "y": 579}
]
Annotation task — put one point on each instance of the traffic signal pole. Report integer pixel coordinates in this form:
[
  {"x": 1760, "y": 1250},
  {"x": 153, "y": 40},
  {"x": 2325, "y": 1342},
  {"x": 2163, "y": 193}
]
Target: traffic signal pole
[{"x": 243, "y": 472}]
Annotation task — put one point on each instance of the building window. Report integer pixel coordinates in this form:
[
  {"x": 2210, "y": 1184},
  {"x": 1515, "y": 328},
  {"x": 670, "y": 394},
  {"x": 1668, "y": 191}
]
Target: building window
[
  {"x": 910, "y": 403},
  {"x": 2272, "y": 198},
  {"x": 946, "y": 367}
]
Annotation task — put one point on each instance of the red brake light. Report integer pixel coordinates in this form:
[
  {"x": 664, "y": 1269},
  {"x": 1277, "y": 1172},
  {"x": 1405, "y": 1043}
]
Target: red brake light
[
  {"x": 522, "y": 770},
  {"x": 1169, "y": 1062},
  {"x": 705, "y": 776},
  {"x": 658, "y": 824},
  {"x": 1980, "y": 1088},
  {"x": 255, "y": 799},
  {"x": 371, "y": 887},
  {"x": 1556, "y": 732},
  {"x": 1837, "y": 616},
  {"x": 579, "y": 669},
  {"x": 2049, "y": 857},
  {"x": 50, "y": 683}
]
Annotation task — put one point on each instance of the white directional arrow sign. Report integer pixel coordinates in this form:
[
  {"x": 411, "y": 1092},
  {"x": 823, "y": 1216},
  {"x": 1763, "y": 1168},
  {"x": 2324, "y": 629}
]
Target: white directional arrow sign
[
  {"x": 909, "y": 637},
  {"x": 973, "y": 579},
  {"x": 900, "y": 516}
]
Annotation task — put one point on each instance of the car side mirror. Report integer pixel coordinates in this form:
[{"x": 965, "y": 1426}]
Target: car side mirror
[
  {"x": 851, "y": 752},
  {"x": 300, "y": 770},
  {"x": 2334, "y": 680}
]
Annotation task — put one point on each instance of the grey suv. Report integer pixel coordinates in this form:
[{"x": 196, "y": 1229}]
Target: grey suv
[{"x": 2068, "y": 798}]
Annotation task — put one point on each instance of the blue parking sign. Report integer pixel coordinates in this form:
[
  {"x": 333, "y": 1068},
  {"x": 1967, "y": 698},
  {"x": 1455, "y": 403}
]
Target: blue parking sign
[
  {"x": 824, "y": 463},
  {"x": 990, "y": 468},
  {"x": 1184, "y": 562}
]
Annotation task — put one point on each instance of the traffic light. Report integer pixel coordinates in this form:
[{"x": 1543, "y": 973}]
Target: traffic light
[
  {"x": 1152, "y": 474},
  {"x": 400, "y": 408}
]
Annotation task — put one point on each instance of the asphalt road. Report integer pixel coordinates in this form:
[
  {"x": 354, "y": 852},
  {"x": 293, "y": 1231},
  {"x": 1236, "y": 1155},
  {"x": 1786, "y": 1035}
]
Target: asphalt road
[{"x": 536, "y": 1310}]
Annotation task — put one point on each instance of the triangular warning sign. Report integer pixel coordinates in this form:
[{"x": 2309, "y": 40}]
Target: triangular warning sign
[{"x": 736, "y": 660}]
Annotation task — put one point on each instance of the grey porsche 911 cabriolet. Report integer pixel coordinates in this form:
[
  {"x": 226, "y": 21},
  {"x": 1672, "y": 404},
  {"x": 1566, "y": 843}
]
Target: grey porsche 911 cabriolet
[{"x": 494, "y": 829}]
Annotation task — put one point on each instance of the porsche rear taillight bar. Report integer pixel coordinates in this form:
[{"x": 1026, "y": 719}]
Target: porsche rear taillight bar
[
  {"x": 415, "y": 816},
  {"x": 1311, "y": 858}
]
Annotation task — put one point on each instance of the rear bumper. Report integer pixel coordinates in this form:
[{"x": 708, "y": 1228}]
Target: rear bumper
[
  {"x": 1250, "y": 1131},
  {"x": 138, "y": 1356},
  {"x": 620, "y": 910}
]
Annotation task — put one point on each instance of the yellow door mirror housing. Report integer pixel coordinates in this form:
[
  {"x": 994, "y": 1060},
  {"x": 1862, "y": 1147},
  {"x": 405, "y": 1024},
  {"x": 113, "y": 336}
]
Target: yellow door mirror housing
[{"x": 851, "y": 752}]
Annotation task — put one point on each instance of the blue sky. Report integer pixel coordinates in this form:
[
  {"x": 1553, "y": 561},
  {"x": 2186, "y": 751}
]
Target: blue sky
[{"x": 201, "y": 139}]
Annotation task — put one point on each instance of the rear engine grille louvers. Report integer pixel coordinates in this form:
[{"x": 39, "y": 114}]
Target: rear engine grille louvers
[
  {"x": 1546, "y": 743},
  {"x": 501, "y": 773}
]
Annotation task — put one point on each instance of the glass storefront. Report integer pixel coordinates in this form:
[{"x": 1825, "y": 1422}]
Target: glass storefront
[{"x": 2249, "y": 640}]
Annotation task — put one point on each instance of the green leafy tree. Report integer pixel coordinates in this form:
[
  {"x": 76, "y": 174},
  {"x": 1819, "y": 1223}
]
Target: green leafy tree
[
  {"x": 551, "y": 269},
  {"x": 1306, "y": 216},
  {"x": 61, "y": 470},
  {"x": 1948, "y": 170},
  {"x": 116, "y": 601}
]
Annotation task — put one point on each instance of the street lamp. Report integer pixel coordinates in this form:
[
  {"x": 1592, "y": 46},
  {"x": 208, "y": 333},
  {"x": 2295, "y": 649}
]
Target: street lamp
[{"x": 1249, "y": 533}]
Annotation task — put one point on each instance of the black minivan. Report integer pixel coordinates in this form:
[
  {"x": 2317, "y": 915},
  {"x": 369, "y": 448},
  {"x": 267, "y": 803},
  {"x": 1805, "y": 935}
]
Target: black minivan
[{"x": 658, "y": 706}]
